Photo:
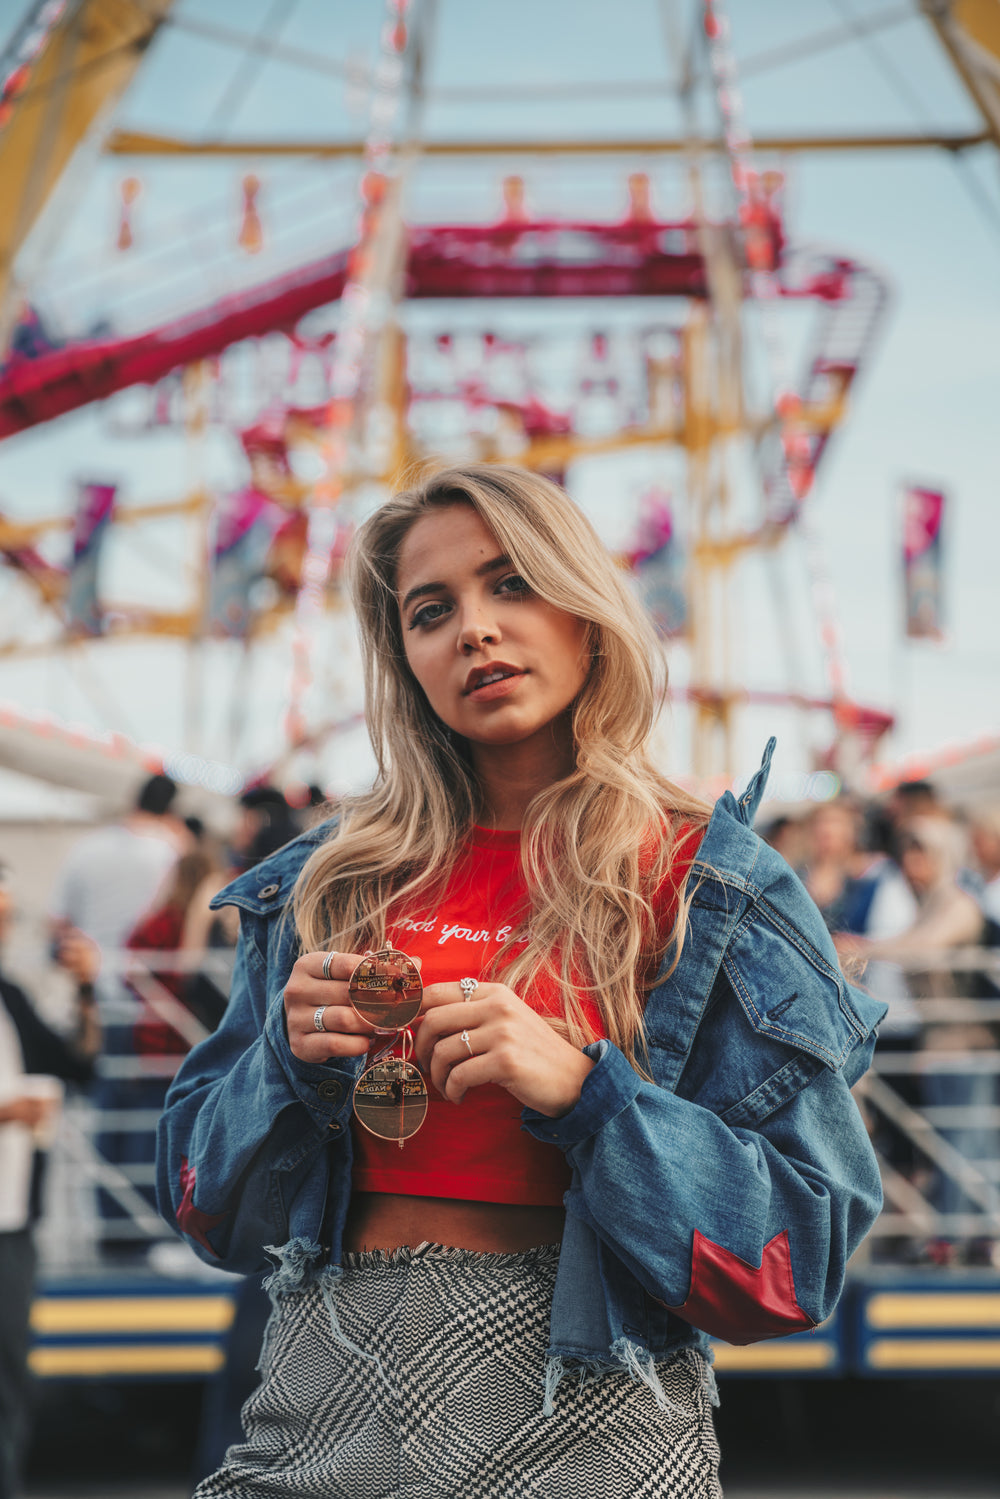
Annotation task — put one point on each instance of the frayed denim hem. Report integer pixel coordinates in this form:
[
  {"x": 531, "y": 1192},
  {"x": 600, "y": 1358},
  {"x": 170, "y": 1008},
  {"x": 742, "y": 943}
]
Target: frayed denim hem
[
  {"x": 298, "y": 1269},
  {"x": 636, "y": 1361}
]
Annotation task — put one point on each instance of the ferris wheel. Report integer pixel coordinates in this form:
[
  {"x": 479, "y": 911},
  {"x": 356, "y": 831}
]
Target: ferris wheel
[{"x": 526, "y": 335}]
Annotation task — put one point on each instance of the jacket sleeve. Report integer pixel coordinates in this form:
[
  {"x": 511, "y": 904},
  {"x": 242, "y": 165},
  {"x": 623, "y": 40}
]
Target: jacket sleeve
[
  {"x": 247, "y": 1128},
  {"x": 742, "y": 1232}
]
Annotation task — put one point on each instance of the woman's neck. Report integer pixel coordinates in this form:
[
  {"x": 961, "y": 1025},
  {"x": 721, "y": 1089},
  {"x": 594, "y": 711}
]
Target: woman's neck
[{"x": 511, "y": 776}]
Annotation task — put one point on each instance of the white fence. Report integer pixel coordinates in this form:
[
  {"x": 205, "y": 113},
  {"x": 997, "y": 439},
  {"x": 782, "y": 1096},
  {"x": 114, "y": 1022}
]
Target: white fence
[{"x": 933, "y": 1105}]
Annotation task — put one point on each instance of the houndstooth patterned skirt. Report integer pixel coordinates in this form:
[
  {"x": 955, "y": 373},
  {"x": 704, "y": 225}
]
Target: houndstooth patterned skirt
[{"x": 439, "y": 1395}]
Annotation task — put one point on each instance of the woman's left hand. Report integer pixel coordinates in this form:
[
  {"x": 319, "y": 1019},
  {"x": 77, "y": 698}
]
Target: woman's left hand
[{"x": 509, "y": 1044}]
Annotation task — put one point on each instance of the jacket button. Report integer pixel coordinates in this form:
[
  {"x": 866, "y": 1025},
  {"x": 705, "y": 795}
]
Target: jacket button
[
  {"x": 267, "y": 892},
  {"x": 330, "y": 1090}
]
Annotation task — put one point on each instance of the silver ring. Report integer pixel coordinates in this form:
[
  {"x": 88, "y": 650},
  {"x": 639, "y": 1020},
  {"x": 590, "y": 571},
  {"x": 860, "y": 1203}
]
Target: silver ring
[
  {"x": 327, "y": 963},
  {"x": 468, "y": 1043},
  {"x": 468, "y": 988},
  {"x": 318, "y": 1017}
]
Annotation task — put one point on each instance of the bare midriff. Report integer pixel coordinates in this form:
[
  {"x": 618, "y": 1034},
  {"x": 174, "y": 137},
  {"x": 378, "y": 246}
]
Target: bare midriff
[{"x": 389, "y": 1220}]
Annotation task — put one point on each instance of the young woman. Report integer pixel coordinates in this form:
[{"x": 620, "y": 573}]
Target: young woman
[{"x": 636, "y": 1043}]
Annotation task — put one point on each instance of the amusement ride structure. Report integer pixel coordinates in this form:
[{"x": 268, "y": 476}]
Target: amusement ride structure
[
  {"x": 351, "y": 391},
  {"x": 523, "y": 335}
]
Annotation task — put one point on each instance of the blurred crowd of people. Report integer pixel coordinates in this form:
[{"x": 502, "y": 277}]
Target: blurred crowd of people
[
  {"x": 128, "y": 892},
  {"x": 142, "y": 887},
  {"x": 910, "y": 890},
  {"x": 901, "y": 883}
]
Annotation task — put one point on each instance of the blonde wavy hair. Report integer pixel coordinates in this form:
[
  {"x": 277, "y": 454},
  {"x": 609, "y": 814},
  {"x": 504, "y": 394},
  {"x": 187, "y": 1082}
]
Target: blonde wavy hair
[{"x": 595, "y": 846}]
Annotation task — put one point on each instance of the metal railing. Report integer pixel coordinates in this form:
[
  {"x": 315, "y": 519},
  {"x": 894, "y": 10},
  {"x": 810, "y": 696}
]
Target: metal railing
[
  {"x": 933, "y": 1104},
  {"x": 99, "y": 1197},
  {"x": 940, "y": 1159}
]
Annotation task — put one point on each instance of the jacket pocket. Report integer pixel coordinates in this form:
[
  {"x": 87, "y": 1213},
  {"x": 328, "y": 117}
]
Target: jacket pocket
[
  {"x": 737, "y": 1067},
  {"x": 772, "y": 1093},
  {"x": 789, "y": 992}
]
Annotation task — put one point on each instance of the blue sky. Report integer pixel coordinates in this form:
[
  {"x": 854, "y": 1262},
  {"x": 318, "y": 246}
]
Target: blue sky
[{"x": 927, "y": 409}]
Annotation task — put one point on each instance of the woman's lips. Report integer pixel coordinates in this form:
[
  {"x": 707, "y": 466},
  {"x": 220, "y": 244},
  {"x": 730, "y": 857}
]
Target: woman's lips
[{"x": 491, "y": 690}]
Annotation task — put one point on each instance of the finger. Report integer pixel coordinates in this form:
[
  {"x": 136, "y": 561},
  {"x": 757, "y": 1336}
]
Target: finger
[
  {"x": 451, "y": 994},
  {"x": 445, "y": 1020},
  {"x": 327, "y": 1018},
  {"x": 316, "y": 1049},
  {"x": 303, "y": 993},
  {"x": 448, "y": 1053},
  {"x": 467, "y": 1072},
  {"x": 342, "y": 964}
]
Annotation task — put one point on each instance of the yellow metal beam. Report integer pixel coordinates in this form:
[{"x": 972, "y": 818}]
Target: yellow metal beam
[
  {"x": 84, "y": 67},
  {"x": 139, "y": 143},
  {"x": 16, "y": 534},
  {"x": 969, "y": 31},
  {"x": 980, "y": 20}
]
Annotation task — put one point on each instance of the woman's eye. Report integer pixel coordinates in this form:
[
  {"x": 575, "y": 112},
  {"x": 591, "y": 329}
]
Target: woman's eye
[
  {"x": 513, "y": 583},
  {"x": 427, "y": 614}
]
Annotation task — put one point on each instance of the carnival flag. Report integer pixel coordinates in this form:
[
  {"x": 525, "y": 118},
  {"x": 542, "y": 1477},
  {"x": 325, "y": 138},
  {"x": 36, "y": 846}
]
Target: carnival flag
[
  {"x": 245, "y": 526},
  {"x": 94, "y": 507},
  {"x": 658, "y": 563},
  {"x": 923, "y": 512}
]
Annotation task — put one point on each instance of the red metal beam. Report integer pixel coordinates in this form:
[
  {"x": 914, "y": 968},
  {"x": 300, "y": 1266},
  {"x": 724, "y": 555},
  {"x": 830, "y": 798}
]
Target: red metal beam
[{"x": 538, "y": 259}]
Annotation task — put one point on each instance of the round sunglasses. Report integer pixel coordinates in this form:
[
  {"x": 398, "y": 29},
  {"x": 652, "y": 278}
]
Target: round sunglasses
[{"x": 390, "y": 1096}]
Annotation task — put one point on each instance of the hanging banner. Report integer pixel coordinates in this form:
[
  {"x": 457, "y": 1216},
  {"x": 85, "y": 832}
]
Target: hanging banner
[
  {"x": 94, "y": 508},
  {"x": 923, "y": 511},
  {"x": 245, "y": 526},
  {"x": 658, "y": 564}
]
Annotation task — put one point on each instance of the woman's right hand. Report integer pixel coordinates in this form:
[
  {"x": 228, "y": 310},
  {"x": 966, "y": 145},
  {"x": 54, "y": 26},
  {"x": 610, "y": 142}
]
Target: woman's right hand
[
  {"x": 28, "y": 1109},
  {"x": 344, "y": 1033}
]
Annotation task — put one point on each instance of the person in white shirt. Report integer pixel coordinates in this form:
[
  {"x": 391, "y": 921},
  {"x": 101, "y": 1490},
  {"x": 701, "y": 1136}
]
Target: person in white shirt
[
  {"x": 111, "y": 877},
  {"x": 33, "y": 1060}
]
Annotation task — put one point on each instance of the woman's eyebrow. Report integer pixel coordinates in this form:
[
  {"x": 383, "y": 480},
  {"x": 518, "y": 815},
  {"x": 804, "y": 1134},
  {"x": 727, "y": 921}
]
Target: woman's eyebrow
[{"x": 423, "y": 589}]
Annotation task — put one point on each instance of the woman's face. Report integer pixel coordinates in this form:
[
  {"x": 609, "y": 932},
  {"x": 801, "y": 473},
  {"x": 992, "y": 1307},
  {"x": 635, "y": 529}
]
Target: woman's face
[
  {"x": 919, "y": 865},
  {"x": 833, "y": 833},
  {"x": 498, "y": 665}
]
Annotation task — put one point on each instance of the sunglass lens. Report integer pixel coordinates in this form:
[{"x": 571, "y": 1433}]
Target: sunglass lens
[
  {"x": 390, "y": 1099},
  {"x": 386, "y": 991}
]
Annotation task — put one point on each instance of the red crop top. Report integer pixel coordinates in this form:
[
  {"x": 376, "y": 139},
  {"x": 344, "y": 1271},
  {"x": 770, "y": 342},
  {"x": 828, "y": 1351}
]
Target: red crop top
[{"x": 477, "y": 1150}]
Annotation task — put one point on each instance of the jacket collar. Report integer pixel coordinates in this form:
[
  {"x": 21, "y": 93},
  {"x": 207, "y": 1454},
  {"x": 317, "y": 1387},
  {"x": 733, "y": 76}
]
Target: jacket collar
[
  {"x": 266, "y": 889},
  {"x": 745, "y": 901}
]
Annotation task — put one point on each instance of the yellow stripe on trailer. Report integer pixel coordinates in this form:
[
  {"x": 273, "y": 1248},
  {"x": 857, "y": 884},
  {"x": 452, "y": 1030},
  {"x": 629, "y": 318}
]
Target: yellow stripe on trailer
[
  {"x": 110, "y": 1359},
  {"x": 933, "y": 1309},
  {"x": 774, "y": 1358},
  {"x": 934, "y": 1353},
  {"x": 52, "y": 1315}
]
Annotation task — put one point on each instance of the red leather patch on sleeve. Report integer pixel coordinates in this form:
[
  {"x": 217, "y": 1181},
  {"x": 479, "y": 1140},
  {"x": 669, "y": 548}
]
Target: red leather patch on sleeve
[
  {"x": 737, "y": 1302},
  {"x": 191, "y": 1220}
]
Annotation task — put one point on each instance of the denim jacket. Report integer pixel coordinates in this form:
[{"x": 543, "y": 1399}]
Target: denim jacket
[{"x": 724, "y": 1197}]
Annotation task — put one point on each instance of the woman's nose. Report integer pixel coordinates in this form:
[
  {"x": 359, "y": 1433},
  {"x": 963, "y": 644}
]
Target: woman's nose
[{"x": 476, "y": 632}]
